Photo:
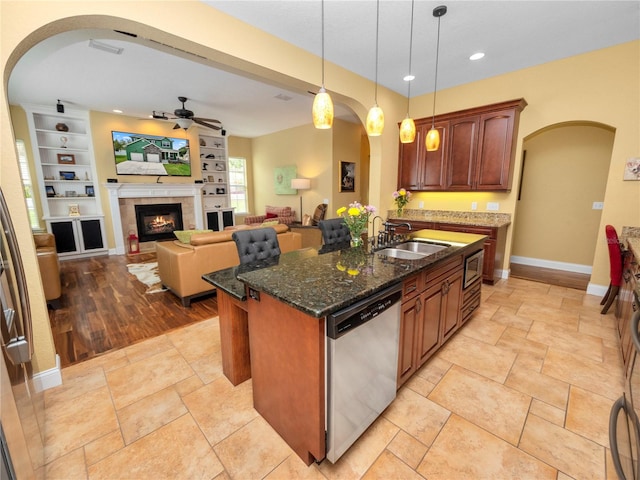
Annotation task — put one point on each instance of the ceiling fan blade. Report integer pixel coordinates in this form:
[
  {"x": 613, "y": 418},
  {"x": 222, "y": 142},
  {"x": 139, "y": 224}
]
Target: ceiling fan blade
[
  {"x": 207, "y": 119},
  {"x": 205, "y": 124}
]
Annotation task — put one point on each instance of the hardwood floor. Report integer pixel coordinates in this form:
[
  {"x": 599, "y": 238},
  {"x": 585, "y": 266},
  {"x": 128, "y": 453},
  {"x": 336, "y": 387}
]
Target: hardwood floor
[
  {"x": 105, "y": 308},
  {"x": 579, "y": 281}
]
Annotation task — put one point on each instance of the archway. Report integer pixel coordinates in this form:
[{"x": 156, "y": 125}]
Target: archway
[{"x": 562, "y": 187}]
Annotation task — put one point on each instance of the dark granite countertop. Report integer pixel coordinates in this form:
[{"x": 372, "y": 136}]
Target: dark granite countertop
[{"x": 320, "y": 282}]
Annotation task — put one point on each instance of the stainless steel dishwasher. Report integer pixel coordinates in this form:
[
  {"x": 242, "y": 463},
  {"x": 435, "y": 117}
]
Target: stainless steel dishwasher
[{"x": 362, "y": 366}]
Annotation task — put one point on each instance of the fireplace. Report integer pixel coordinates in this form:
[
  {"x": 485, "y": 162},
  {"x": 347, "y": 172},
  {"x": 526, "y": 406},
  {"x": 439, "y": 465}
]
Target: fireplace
[{"x": 158, "y": 221}]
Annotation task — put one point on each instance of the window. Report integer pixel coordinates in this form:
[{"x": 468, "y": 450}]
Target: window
[
  {"x": 238, "y": 184},
  {"x": 27, "y": 185}
]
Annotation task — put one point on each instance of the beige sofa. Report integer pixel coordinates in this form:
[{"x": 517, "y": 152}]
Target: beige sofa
[{"x": 181, "y": 265}]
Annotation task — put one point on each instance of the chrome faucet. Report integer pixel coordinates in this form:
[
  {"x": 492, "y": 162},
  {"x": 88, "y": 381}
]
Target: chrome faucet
[{"x": 390, "y": 233}]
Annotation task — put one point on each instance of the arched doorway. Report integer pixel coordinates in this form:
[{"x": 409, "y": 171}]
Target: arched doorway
[{"x": 563, "y": 181}]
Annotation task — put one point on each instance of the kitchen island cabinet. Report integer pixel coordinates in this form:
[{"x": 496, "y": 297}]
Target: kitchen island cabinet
[
  {"x": 288, "y": 300},
  {"x": 628, "y": 301}
]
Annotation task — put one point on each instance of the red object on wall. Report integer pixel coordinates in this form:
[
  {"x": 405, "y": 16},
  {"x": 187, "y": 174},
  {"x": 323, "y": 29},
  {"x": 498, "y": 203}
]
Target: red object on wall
[{"x": 134, "y": 244}]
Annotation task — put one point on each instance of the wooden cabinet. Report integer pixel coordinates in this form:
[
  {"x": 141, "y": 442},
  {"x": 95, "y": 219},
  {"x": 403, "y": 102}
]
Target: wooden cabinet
[
  {"x": 477, "y": 148},
  {"x": 493, "y": 246},
  {"x": 431, "y": 313},
  {"x": 463, "y": 140},
  {"x": 66, "y": 177},
  {"x": 626, "y": 305}
]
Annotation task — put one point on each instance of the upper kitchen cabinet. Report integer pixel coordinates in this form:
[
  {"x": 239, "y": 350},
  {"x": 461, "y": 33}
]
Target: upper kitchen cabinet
[
  {"x": 419, "y": 169},
  {"x": 477, "y": 150}
]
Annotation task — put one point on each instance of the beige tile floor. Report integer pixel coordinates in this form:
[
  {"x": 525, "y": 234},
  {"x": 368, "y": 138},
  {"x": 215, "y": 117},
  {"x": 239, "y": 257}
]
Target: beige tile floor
[{"x": 523, "y": 391}]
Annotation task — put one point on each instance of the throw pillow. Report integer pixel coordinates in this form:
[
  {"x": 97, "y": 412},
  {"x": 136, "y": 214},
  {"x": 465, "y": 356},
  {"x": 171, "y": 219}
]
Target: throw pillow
[
  {"x": 271, "y": 215},
  {"x": 270, "y": 223},
  {"x": 185, "y": 235}
]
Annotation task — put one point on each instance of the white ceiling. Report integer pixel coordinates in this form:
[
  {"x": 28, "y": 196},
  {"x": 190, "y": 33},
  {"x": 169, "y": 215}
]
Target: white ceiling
[{"x": 513, "y": 34}]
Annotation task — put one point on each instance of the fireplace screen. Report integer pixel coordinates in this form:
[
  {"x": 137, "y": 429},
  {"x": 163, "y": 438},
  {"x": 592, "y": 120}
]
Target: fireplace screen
[{"x": 158, "y": 221}]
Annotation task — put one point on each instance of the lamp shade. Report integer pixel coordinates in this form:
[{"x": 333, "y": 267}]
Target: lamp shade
[
  {"x": 184, "y": 122},
  {"x": 322, "y": 112},
  {"x": 300, "y": 183},
  {"x": 407, "y": 130},
  {"x": 432, "y": 141},
  {"x": 375, "y": 121}
]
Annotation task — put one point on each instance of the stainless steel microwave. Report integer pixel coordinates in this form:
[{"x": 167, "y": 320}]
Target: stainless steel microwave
[{"x": 473, "y": 268}]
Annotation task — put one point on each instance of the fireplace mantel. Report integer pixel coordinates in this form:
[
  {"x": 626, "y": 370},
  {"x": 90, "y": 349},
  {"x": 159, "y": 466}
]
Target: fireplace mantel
[{"x": 149, "y": 190}]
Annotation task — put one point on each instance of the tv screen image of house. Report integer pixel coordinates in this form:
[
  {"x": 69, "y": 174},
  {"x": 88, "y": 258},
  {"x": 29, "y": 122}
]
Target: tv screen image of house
[{"x": 141, "y": 154}]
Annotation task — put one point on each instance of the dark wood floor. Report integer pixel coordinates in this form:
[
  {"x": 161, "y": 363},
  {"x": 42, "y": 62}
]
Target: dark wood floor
[
  {"x": 104, "y": 308},
  {"x": 578, "y": 281}
]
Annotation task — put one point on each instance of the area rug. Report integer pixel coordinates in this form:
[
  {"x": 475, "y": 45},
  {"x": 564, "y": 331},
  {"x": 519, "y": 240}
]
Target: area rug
[{"x": 147, "y": 273}]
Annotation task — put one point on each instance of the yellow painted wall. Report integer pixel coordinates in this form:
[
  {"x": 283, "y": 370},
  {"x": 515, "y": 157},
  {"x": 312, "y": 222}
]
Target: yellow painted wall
[
  {"x": 305, "y": 147},
  {"x": 565, "y": 172},
  {"x": 600, "y": 86},
  {"x": 347, "y": 148}
]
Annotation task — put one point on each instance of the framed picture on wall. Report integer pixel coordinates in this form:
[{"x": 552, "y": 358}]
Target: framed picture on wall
[{"x": 347, "y": 177}]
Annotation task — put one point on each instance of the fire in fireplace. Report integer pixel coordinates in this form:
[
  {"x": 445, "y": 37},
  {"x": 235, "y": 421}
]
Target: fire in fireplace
[{"x": 158, "y": 221}]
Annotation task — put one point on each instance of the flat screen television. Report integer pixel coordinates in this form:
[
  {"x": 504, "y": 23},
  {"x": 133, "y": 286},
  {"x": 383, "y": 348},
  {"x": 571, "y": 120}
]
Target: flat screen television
[{"x": 141, "y": 154}]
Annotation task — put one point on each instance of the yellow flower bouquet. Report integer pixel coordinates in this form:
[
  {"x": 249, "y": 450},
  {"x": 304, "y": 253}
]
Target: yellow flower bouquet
[
  {"x": 401, "y": 197},
  {"x": 356, "y": 217}
]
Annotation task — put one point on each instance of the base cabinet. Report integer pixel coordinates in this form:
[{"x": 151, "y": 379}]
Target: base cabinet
[
  {"x": 219, "y": 219},
  {"x": 79, "y": 237},
  {"x": 430, "y": 314}
]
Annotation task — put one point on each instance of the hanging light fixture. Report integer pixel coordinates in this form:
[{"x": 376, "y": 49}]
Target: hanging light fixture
[
  {"x": 375, "y": 117},
  {"x": 408, "y": 126},
  {"x": 432, "y": 141},
  {"x": 322, "y": 111}
]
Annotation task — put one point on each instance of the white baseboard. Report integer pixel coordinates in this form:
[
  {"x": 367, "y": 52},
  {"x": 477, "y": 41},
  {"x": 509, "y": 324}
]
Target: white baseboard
[
  {"x": 537, "y": 262},
  {"x": 598, "y": 290},
  {"x": 49, "y": 378}
]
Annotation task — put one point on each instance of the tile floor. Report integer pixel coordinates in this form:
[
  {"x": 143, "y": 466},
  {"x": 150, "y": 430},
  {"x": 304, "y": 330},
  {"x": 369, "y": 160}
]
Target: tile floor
[{"x": 522, "y": 391}]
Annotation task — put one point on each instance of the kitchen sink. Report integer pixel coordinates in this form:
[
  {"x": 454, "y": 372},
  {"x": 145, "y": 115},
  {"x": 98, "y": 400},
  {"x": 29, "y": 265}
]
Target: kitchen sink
[
  {"x": 422, "y": 247},
  {"x": 401, "y": 254}
]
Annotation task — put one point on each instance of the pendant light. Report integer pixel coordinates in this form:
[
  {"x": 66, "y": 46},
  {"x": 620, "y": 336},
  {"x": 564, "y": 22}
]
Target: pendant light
[
  {"x": 322, "y": 111},
  {"x": 432, "y": 142},
  {"x": 375, "y": 117},
  {"x": 408, "y": 126}
]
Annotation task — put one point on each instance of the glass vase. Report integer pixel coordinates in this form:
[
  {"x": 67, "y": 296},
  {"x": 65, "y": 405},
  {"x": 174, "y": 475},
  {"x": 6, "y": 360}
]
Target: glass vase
[
  {"x": 399, "y": 211},
  {"x": 356, "y": 239}
]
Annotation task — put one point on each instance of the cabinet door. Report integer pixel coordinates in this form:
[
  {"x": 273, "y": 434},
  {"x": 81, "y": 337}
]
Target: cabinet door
[
  {"x": 451, "y": 304},
  {"x": 409, "y": 164},
  {"x": 433, "y": 172},
  {"x": 65, "y": 236},
  {"x": 91, "y": 234},
  {"x": 495, "y": 151},
  {"x": 463, "y": 141},
  {"x": 428, "y": 332},
  {"x": 406, "y": 351},
  {"x": 213, "y": 221},
  {"x": 227, "y": 218}
]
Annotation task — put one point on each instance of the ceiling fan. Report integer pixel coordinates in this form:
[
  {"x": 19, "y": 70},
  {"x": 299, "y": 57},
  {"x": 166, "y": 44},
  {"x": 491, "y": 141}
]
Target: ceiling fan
[{"x": 184, "y": 117}]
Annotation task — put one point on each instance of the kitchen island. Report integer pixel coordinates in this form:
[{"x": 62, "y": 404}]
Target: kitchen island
[{"x": 281, "y": 305}]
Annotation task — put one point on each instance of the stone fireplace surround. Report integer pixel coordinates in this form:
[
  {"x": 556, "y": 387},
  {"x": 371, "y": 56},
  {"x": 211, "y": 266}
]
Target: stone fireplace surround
[{"x": 124, "y": 196}]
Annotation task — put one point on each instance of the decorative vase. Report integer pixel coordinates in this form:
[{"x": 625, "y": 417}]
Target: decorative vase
[
  {"x": 62, "y": 127},
  {"x": 399, "y": 211}
]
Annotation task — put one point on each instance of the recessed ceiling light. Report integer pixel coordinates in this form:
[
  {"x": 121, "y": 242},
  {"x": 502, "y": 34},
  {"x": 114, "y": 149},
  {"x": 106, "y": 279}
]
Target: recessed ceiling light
[
  {"x": 115, "y": 110},
  {"x": 409, "y": 77},
  {"x": 476, "y": 56}
]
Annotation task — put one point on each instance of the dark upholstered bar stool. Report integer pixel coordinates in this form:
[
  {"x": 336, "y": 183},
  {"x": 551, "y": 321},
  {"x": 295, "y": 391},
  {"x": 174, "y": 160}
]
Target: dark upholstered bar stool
[
  {"x": 334, "y": 231},
  {"x": 615, "y": 272},
  {"x": 256, "y": 244}
]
